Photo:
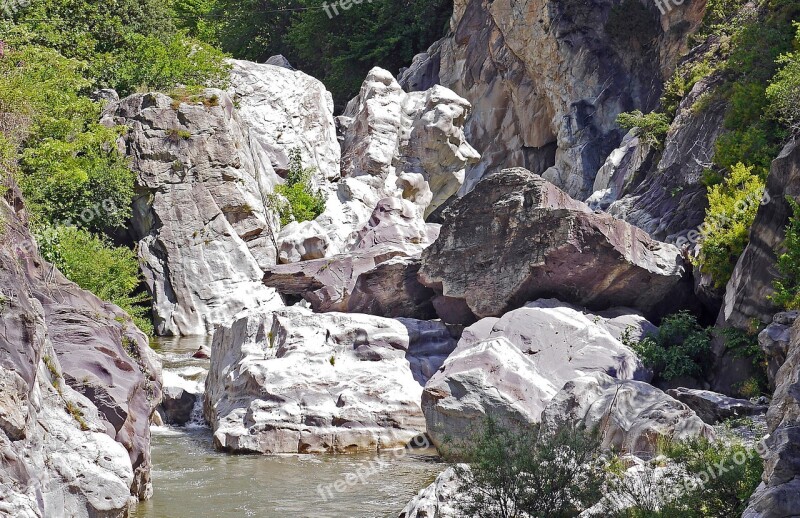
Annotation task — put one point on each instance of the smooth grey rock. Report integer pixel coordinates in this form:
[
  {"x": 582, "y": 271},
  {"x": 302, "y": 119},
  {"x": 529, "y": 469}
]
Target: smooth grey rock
[
  {"x": 547, "y": 80},
  {"x": 712, "y": 407},
  {"x": 774, "y": 341},
  {"x": 302, "y": 242},
  {"x": 78, "y": 384},
  {"x": 177, "y": 405},
  {"x": 395, "y": 230},
  {"x": 621, "y": 171},
  {"x": 203, "y": 228},
  {"x": 438, "y": 500},
  {"x": 631, "y": 415},
  {"x": 510, "y": 368},
  {"x": 779, "y": 494},
  {"x": 279, "y": 60},
  {"x": 291, "y": 381},
  {"x": 517, "y": 237}
]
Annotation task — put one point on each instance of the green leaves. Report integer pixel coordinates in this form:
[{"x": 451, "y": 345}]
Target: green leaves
[
  {"x": 680, "y": 348},
  {"x": 297, "y": 200},
  {"x": 652, "y": 128},
  {"x": 787, "y": 286},
  {"x": 90, "y": 261}
]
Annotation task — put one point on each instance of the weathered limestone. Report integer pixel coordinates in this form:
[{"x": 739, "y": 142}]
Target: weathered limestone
[
  {"x": 779, "y": 494},
  {"x": 510, "y": 368},
  {"x": 547, "y": 79},
  {"x": 200, "y": 215},
  {"x": 712, "y": 407},
  {"x": 78, "y": 384},
  {"x": 437, "y": 500},
  {"x": 517, "y": 237},
  {"x": 291, "y": 381},
  {"x": 631, "y": 415}
]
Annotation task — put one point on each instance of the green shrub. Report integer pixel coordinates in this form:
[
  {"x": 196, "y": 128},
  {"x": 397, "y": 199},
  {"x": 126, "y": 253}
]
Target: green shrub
[
  {"x": 787, "y": 286},
  {"x": 148, "y": 63},
  {"x": 111, "y": 273},
  {"x": 732, "y": 208},
  {"x": 680, "y": 348},
  {"x": 68, "y": 164},
  {"x": 697, "y": 479},
  {"x": 297, "y": 200},
  {"x": 784, "y": 89},
  {"x": 652, "y": 128},
  {"x": 527, "y": 473}
]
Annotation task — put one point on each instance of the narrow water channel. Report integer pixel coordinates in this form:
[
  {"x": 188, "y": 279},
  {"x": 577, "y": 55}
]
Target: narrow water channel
[{"x": 192, "y": 480}]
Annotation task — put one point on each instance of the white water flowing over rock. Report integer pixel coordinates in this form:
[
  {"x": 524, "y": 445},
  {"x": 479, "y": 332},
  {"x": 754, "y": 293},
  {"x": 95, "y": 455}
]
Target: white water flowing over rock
[{"x": 291, "y": 381}]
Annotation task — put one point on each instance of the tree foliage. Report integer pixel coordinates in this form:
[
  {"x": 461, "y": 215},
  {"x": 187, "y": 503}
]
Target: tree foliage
[
  {"x": 94, "y": 264},
  {"x": 297, "y": 199},
  {"x": 681, "y": 347},
  {"x": 513, "y": 474},
  {"x": 732, "y": 207}
]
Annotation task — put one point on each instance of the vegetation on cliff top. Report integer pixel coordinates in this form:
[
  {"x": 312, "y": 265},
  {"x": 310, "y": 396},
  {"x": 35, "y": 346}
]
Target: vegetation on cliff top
[{"x": 77, "y": 185}]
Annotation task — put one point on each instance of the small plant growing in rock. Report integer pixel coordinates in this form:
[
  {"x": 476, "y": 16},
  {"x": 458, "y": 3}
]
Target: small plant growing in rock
[
  {"x": 55, "y": 377},
  {"x": 77, "y": 414},
  {"x": 297, "y": 200},
  {"x": 787, "y": 286},
  {"x": 175, "y": 135},
  {"x": 652, "y": 127},
  {"x": 332, "y": 361}
]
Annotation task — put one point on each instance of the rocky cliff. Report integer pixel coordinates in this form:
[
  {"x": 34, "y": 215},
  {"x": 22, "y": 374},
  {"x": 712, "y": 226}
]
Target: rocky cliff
[
  {"x": 547, "y": 78},
  {"x": 79, "y": 384}
]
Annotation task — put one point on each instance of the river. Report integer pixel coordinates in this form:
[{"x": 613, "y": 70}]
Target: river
[{"x": 191, "y": 479}]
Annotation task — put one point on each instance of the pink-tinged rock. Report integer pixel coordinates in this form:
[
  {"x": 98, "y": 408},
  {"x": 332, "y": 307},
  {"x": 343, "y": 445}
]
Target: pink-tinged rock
[{"x": 517, "y": 237}]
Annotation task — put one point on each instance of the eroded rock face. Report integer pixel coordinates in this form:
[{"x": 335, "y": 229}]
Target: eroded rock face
[
  {"x": 395, "y": 146},
  {"x": 670, "y": 201},
  {"x": 547, "y": 79},
  {"x": 779, "y": 494},
  {"x": 510, "y": 368},
  {"x": 200, "y": 214},
  {"x": 284, "y": 109},
  {"x": 712, "y": 407},
  {"x": 291, "y": 381},
  {"x": 438, "y": 500},
  {"x": 747, "y": 301},
  {"x": 302, "y": 241},
  {"x": 631, "y": 415},
  {"x": 517, "y": 237},
  {"x": 79, "y": 384},
  {"x": 621, "y": 172},
  {"x": 774, "y": 341},
  {"x": 747, "y": 293},
  {"x": 359, "y": 282}
]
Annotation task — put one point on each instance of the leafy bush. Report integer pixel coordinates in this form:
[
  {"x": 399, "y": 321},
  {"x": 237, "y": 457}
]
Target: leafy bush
[
  {"x": 784, "y": 89},
  {"x": 686, "y": 481},
  {"x": 787, "y": 287},
  {"x": 680, "y": 348},
  {"x": 70, "y": 169},
  {"x": 732, "y": 208},
  {"x": 91, "y": 262},
  {"x": 528, "y": 473},
  {"x": 148, "y": 63},
  {"x": 126, "y": 45},
  {"x": 652, "y": 128},
  {"x": 297, "y": 200}
]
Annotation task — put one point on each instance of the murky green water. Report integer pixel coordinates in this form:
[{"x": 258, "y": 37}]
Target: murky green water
[{"x": 193, "y": 480}]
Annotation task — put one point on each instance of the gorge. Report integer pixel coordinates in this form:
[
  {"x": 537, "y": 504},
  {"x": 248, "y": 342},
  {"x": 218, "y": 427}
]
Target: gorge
[{"x": 562, "y": 217}]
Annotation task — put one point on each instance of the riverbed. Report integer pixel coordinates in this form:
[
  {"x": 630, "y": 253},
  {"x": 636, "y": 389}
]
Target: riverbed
[{"x": 191, "y": 479}]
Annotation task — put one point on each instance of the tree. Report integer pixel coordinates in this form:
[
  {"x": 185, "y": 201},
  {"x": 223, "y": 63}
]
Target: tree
[{"x": 532, "y": 472}]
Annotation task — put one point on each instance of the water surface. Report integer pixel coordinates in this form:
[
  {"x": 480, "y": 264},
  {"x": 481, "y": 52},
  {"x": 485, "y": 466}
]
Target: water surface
[{"x": 191, "y": 480}]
